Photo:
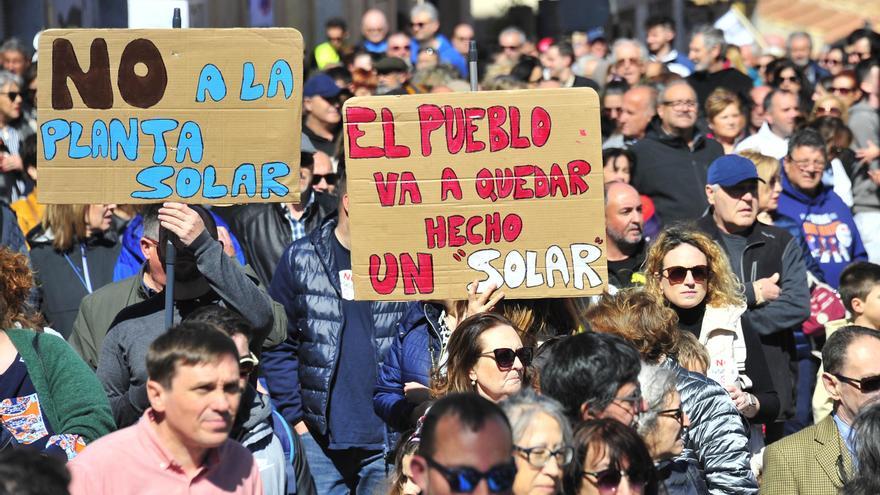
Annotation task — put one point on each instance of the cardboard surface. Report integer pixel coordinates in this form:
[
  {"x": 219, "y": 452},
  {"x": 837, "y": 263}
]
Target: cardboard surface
[
  {"x": 150, "y": 124},
  {"x": 508, "y": 190}
]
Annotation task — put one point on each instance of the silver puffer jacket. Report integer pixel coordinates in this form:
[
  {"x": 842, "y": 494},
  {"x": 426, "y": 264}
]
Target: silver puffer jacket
[{"x": 717, "y": 438}]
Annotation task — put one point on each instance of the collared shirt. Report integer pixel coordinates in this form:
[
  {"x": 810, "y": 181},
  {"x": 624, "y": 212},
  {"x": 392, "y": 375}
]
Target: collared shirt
[
  {"x": 765, "y": 142},
  {"x": 847, "y": 434},
  {"x": 298, "y": 226},
  {"x": 134, "y": 461}
]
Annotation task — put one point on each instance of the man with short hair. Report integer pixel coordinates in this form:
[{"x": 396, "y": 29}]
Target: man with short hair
[
  {"x": 331, "y": 51},
  {"x": 393, "y": 76},
  {"x": 638, "y": 109},
  {"x": 464, "y": 431},
  {"x": 321, "y": 377},
  {"x": 625, "y": 249},
  {"x": 323, "y": 177},
  {"x": 462, "y": 35},
  {"x": 673, "y": 158},
  {"x": 828, "y": 224},
  {"x": 595, "y": 375},
  {"x": 707, "y": 51},
  {"x": 322, "y": 112},
  {"x": 399, "y": 46},
  {"x": 660, "y": 38},
  {"x": 510, "y": 43},
  {"x": 819, "y": 459},
  {"x": 559, "y": 59},
  {"x": 781, "y": 112},
  {"x": 799, "y": 48},
  {"x": 425, "y": 24},
  {"x": 629, "y": 60},
  {"x": 769, "y": 264},
  {"x": 181, "y": 443},
  {"x": 16, "y": 56},
  {"x": 374, "y": 29},
  {"x": 203, "y": 275}
]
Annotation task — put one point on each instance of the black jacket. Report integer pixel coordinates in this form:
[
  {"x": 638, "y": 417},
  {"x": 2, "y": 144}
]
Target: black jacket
[
  {"x": 301, "y": 370},
  {"x": 57, "y": 274},
  {"x": 772, "y": 250},
  {"x": 672, "y": 174},
  {"x": 264, "y": 232}
]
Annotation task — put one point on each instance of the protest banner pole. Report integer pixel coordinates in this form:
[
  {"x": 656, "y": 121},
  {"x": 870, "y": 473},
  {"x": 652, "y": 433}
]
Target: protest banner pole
[
  {"x": 472, "y": 64},
  {"x": 170, "y": 250}
]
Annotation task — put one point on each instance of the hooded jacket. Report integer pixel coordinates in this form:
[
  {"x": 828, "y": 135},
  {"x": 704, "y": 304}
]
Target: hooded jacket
[
  {"x": 673, "y": 174},
  {"x": 828, "y": 226},
  {"x": 253, "y": 429},
  {"x": 717, "y": 439},
  {"x": 413, "y": 354}
]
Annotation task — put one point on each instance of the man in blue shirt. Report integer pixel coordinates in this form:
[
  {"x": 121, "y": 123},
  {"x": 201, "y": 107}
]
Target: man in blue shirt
[{"x": 425, "y": 23}]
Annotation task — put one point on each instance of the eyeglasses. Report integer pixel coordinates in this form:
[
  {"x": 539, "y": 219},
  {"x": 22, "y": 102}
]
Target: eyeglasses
[
  {"x": 842, "y": 91},
  {"x": 677, "y": 274},
  {"x": 505, "y": 357},
  {"x": 465, "y": 479},
  {"x": 510, "y": 48},
  {"x": 634, "y": 399},
  {"x": 247, "y": 365},
  {"x": 613, "y": 110},
  {"x": 540, "y": 456},
  {"x": 676, "y": 414},
  {"x": 331, "y": 179},
  {"x": 680, "y": 104},
  {"x": 418, "y": 25},
  {"x": 867, "y": 385},
  {"x": 792, "y": 79},
  {"x": 13, "y": 95},
  {"x": 627, "y": 61},
  {"x": 401, "y": 48},
  {"x": 608, "y": 480},
  {"x": 831, "y": 61},
  {"x": 806, "y": 165}
]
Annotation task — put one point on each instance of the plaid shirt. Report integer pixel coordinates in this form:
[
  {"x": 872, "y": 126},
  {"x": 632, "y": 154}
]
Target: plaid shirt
[{"x": 298, "y": 227}]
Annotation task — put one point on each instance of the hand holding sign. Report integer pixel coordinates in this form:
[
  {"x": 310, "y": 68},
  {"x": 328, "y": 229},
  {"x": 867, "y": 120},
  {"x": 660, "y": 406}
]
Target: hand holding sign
[{"x": 181, "y": 220}]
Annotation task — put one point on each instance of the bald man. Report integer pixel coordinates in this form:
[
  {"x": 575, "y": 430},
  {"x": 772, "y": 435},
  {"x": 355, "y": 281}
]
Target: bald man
[
  {"x": 374, "y": 29},
  {"x": 625, "y": 248}
]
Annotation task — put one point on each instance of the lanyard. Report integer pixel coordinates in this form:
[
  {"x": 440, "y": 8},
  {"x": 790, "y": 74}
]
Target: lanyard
[{"x": 83, "y": 275}]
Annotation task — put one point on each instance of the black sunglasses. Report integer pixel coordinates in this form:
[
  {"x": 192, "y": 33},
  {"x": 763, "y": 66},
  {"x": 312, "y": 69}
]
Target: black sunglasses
[
  {"x": 465, "y": 479},
  {"x": 13, "y": 95},
  {"x": 677, "y": 274},
  {"x": 676, "y": 414},
  {"x": 330, "y": 178},
  {"x": 607, "y": 480},
  {"x": 505, "y": 357},
  {"x": 866, "y": 385}
]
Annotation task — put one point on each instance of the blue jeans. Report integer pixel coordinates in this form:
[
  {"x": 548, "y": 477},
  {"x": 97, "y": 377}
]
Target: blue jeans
[{"x": 339, "y": 472}]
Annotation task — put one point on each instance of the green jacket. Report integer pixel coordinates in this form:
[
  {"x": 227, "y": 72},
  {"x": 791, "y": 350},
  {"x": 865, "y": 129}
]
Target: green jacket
[
  {"x": 70, "y": 394},
  {"x": 98, "y": 310}
]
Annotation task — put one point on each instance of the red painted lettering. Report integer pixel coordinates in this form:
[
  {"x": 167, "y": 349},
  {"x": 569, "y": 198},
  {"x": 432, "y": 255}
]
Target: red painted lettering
[
  {"x": 520, "y": 191},
  {"x": 455, "y": 128},
  {"x": 516, "y": 141},
  {"x": 409, "y": 185},
  {"x": 454, "y": 223},
  {"x": 386, "y": 187},
  {"x": 385, "y": 285},
  {"x": 498, "y": 138},
  {"x": 558, "y": 184},
  {"x": 540, "y": 126},
  {"x": 471, "y": 114},
  {"x": 485, "y": 185},
  {"x": 577, "y": 169},
  {"x": 353, "y": 117},
  {"x": 392, "y": 149},
  {"x": 449, "y": 184},
  {"x": 430, "y": 119},
  {"x": 417, "y": 278},
  {"x": 435, "y": 232},
  {"x": 503, "y": 182},
  {"x": 512, "y": 227}
]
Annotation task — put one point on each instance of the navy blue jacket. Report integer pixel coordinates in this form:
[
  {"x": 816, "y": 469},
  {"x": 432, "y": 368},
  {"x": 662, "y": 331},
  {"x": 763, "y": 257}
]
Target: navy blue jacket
[
  {"x": 413, "y": 354},
  {"x": 301, "y": 369}
]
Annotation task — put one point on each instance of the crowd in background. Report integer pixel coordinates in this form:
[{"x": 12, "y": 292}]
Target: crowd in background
[{"x": 733, "y": 352}]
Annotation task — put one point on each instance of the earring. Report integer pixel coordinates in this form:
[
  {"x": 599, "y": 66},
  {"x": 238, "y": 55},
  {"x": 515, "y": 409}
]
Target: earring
[{"x": 473, "y": 384}]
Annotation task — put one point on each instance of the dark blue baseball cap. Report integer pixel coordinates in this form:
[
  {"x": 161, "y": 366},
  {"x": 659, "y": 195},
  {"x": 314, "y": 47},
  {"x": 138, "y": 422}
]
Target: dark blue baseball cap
[
  {"x": 730, "y": 170},
  {"x": 321, "y": 85}
]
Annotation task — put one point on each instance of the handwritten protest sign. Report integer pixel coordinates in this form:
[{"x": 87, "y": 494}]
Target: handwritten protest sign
[
  {"x": 504, "y": 187},
  {"x": 145, "y": 116}
]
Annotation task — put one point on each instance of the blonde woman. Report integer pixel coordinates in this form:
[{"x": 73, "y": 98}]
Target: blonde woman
[
  {"x": 73, "y": 252},
  {"x": 690, "y": 272}
]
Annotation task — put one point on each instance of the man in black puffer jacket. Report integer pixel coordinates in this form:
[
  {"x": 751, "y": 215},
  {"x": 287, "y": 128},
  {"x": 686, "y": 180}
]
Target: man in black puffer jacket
[{"x": 322, "y": 377}]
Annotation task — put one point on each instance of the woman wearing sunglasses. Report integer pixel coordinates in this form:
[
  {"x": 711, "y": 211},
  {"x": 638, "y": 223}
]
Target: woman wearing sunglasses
[
  {"x": 541, "y": 442},
  {"x": 609, "y": 458},
  {"x": 692, "y": 274},
  {"x": 662, "y": 427},
  {"x": 486, "y": 356}
]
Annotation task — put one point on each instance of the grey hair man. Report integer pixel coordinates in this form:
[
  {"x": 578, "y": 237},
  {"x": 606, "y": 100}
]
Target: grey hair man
[
  {"x": 425, "y": 24},
  {"x": 629, "y": 60},
  {"x": 707, "y": 51},
  {"x": 510, "y": 43}
]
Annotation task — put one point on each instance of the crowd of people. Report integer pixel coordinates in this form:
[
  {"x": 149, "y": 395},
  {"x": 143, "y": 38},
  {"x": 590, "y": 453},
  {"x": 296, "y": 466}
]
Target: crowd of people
[{"x": 734, "y": 351}]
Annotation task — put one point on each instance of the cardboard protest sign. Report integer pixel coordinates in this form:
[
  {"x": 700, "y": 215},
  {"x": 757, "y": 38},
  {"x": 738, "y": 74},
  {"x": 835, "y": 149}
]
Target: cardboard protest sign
[
  {"x": 146, "y": 116},
  {"x": 503, "y": 187}
]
